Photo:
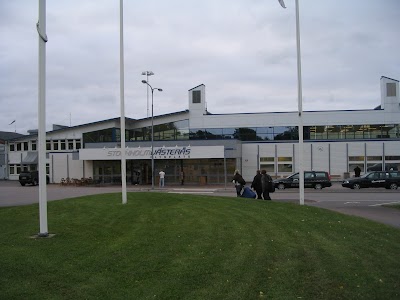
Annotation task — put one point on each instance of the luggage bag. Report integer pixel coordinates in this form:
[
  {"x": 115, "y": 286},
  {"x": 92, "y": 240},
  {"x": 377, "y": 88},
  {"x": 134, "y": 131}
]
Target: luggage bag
[{"x": 248, "y": 193}]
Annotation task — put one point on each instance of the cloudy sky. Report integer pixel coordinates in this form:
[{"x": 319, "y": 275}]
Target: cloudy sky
[{"x": 244, "y": 51}]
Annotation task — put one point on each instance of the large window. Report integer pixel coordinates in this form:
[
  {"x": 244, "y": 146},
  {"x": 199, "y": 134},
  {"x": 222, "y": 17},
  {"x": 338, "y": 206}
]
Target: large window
[
  {"x": 100, "y": 136},
  {"x": 374, "y": 163},
  {"x": 210, "y": 171},
  {"x": 180, "y": 130},
  {"x": 286, "y": 133},
  {"x": 196, "y": 96},
  {"x": 391, "y": 89},
  {"x": 214, "y": 133},
  {"x": 281, "y": 133},
  {"x": 12, "y": 169},
  {"x": 349, "y": 132},
  {"x": 285, "y": 164},
  {"x": 356, "y": 161},
  {"x": 267, "y": 164},
  {"x": 265, "y": 133}
]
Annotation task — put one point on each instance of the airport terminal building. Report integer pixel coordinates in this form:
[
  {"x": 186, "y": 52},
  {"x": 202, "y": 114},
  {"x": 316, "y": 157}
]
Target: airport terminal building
[{"x": 208, "y": 147}]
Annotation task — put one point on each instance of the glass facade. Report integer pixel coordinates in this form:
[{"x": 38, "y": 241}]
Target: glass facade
[
  {"x": 180, "y": 130},
  {"x": 349, "y": 132},
  {"x": 196, "y": 171},
  {"x": 100, "y": 136}
]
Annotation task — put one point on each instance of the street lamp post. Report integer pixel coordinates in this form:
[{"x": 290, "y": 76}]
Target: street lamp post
[
  {"x": 152, "y": 130},
  {"x": 147, "y": 73}
]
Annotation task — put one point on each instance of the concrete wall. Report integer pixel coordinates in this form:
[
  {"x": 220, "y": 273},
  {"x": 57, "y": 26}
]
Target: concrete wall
[{"x": 329, "y": 156}]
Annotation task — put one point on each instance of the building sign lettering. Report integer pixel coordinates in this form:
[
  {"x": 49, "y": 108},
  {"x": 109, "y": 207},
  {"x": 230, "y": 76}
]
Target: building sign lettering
[{"x": 159, "y": 153}]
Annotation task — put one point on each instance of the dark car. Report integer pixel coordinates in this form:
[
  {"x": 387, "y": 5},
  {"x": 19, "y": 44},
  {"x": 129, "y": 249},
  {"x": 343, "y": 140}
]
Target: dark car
[
  {"x": 312, "y": 179},
  {"x": 30, "y": 178},
  {"x": 386, "y": 179}
]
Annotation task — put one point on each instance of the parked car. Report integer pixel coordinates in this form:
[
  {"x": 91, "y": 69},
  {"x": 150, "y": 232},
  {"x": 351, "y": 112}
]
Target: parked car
[
  {"x": 386, "y": 179},
  {"x": 312, "y": 179},
  {"x": 26, "y": 177}
]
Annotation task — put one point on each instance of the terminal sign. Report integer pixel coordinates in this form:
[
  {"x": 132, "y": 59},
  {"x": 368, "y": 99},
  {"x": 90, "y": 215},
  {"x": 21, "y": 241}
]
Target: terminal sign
[{"x": 159, "y": 153}]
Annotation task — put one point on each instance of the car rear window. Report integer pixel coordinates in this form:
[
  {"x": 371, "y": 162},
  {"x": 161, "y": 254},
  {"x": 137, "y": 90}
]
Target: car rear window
[{"x": 394, "y": 174}]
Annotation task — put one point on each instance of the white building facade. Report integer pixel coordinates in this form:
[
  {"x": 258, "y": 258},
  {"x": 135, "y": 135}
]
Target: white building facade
[{"x": 203, "y": 148}]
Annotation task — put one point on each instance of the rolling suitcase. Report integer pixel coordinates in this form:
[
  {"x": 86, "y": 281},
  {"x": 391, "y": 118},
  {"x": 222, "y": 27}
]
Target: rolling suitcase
[{"x": 248, "y": 193}]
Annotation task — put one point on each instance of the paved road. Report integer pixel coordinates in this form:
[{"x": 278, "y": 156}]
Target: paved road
[{"x": 367, "y": 203}]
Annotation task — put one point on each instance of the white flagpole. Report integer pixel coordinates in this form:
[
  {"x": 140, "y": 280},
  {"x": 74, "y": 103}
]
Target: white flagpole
[
  {"x": 121, "y": 56},
  {"x": 300, "y": 104},
  {"x": 41, "y": 28}
]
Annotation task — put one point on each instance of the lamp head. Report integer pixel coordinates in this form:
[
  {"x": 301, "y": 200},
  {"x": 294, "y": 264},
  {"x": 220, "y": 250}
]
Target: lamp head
[
  {"x": 160, "y": 90},
  {"x": 282, "y": 3},
  {"x": 148, "y": 73},
  {"x": 144, "y": 81}
]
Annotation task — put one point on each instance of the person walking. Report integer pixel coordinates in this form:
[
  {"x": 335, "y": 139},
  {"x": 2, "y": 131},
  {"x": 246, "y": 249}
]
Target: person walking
[
  {"x": 265, "y": 183},
  {"x": 162, "y": 175},
  {"x": 239, "y": 182},
  {"x": 256, "y": 184}
]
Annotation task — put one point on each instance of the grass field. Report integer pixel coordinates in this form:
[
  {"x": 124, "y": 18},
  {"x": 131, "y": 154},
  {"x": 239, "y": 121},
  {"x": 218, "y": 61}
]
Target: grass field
[
  {"x": 169, "y": 246},
  {"x": 396, "y": 206}
]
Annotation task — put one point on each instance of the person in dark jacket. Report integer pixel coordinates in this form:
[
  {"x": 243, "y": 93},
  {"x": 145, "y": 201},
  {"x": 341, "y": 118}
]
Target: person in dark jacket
[
  {"x": 265, "y": 180},
  {"x": 357, "y": 171},
  {"x": 256, "y": 184},
  {"x": 239, "y": 182}
]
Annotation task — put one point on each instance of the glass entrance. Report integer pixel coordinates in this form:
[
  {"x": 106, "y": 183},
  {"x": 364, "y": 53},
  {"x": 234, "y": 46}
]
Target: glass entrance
[{"x": 177, "y": 171}]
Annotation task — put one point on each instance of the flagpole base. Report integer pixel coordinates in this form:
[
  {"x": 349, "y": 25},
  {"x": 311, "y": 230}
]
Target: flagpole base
[{"x": 41, "y": 235}]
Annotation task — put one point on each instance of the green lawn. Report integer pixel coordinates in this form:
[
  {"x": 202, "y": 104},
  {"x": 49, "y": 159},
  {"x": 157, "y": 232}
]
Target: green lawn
[
  {"x": 396, "y": 206},
  {"x": 169, "y": 246}
]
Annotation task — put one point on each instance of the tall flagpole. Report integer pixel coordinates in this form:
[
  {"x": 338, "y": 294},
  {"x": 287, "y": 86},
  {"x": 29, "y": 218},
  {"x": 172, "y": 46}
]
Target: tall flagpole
[
  {"x": 121, "y": 57},
  {"x": 300, "y": 104},
  {"x": 41, "y": 28}
]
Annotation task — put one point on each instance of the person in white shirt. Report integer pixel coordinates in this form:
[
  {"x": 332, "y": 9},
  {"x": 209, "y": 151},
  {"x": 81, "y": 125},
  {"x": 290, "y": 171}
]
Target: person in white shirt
[{"x": 162, "y": 175}]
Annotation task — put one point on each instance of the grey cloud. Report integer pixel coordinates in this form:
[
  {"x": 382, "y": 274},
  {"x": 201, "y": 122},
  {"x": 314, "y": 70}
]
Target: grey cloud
[{"x": 243, "y": 51}]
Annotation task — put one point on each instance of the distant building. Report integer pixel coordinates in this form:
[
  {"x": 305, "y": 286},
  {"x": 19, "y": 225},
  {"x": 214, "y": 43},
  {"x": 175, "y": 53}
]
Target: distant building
[
  {"x": 209, "y": 147},
  {"x": 4, "y": 137}
]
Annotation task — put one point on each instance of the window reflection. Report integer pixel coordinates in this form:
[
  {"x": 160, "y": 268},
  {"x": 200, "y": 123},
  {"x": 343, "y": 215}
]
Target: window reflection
[{"x": 179, "y": 130}]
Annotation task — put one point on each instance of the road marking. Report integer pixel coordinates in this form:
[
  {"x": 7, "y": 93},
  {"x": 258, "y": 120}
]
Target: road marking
[
  {"x": 384, "y": 203},
  {"x": 353, "y": 202}
]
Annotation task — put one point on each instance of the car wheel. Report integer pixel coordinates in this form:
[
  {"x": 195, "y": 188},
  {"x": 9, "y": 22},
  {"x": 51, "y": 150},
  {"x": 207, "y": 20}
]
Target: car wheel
[
  {"x": 318, "y": 186},
  {"x": 35, "y": 182},
  {"x": 23, "y": 184},
  {"x": 281, "y": 186},
  {"x": 356, "y": 186},
  {"x": 393, "y": 186}
]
